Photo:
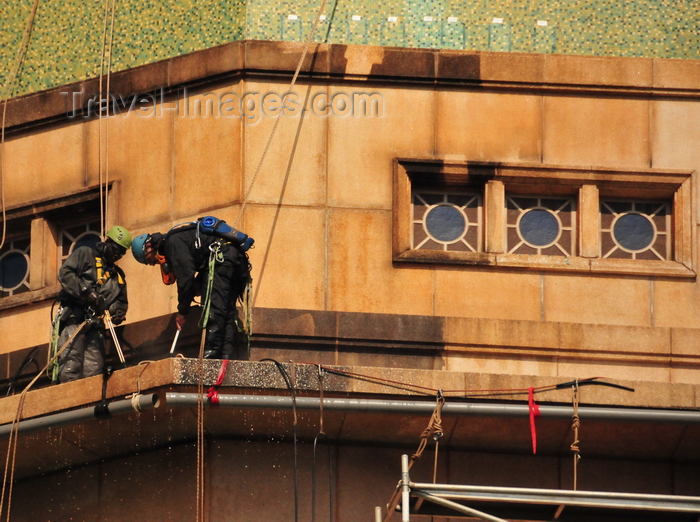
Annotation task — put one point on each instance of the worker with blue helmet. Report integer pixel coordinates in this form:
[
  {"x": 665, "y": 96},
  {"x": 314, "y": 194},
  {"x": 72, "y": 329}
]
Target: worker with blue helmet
[{"x": 200, "y": 261}]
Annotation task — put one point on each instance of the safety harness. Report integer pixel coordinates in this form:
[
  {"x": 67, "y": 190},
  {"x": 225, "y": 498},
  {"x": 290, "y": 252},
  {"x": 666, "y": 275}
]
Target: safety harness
[
  {"x": 215, "y": 256},
  {"x": 225, "y": 235},
  {"x": 52, "y": 370},
  {"x": 104, "y": 273}
]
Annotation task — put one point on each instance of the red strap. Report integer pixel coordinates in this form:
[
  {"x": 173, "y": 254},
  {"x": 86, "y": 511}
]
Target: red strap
[
  {"x": 534, "y": 413},
  {"x": 213, "y": 394}
]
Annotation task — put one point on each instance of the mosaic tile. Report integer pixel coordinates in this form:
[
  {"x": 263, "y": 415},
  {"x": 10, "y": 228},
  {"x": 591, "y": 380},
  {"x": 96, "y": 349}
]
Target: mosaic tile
[{"x": 67, "y": 40}]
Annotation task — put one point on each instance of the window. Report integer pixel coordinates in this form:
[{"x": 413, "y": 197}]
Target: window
[
  {"x": 545, "y": 218},
  {"x": 77, "y": 235},
  {"x": 40, "y": 236},
  {"x": 540, "y": 225},
  {"x": 14, "y": 266},
  {"x": 635, "y": 229},
  {"x": 447, "y": 221}
]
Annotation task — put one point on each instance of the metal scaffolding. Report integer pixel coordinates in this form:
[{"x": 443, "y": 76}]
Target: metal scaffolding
[{"x": 494, "y": 503}]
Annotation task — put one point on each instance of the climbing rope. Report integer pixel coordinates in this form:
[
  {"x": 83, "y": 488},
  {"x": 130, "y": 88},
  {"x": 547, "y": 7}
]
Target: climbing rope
[
  {"x": 52, "y": 369},
  {"x": 247, "y": 308},
  {"x": 103, "y": 164},
  {"x": 8, "y": 478},
  {"x": 321, "y": 433},
  {"x": 200, "y": 430},
  {"x": 292, "y": 380},
  {"x": 215, "y": 256},
  {"x": 434, "y": 429},
  {"x": 576, "y": 423},
  {"x": 467, "y": 393},
  {"x": 7, "y": 91},
  {"x": 108, "y": 97},
  {"x": 277, "y": 118},
  {"x": 289, "y": 380}
]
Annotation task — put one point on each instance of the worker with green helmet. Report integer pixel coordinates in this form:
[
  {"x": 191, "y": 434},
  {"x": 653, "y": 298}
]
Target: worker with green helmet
[{"x": 91, "y": 283}]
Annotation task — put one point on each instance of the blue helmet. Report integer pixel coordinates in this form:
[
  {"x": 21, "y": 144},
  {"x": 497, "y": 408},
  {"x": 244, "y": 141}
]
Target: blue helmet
[{"x": 138, "y": 247}]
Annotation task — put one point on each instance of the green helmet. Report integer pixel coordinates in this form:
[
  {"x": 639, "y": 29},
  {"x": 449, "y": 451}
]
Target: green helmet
[{"x": 120, "y": 236}]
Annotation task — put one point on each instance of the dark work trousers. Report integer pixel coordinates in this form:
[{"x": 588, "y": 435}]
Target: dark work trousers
[
  {"x": 222, "y": 331},
  {"x": 85, "y": 356}
]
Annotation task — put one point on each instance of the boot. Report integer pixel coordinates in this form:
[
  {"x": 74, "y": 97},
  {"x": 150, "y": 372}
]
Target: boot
[{"x": 212, "y": 354}]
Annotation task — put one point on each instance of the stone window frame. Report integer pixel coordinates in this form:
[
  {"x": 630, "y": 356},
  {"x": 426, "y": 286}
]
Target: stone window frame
[
  {"x": 586, "y": 184},
  {"x": 44, "y": 219}
]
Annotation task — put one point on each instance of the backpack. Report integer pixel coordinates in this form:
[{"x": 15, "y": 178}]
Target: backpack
[{"x": 218, "y": 227}]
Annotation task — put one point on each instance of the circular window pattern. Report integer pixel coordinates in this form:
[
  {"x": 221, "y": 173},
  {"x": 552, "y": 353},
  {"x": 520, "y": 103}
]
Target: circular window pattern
[
  {"x": 446, "y": 223},
  {"x": 89, "y": 239},
  {"x": 14, "y": 269},
  {"x": 633, "y": 231},
  {"x": 76, "y": 236},
  {"x": 539, "y": 227}
]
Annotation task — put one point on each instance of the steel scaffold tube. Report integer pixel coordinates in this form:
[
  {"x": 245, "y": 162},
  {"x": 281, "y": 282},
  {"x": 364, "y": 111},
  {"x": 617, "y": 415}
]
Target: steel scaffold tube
[
  {"x": 143, "y": 402},
  {"x": 426, "y": 407}
]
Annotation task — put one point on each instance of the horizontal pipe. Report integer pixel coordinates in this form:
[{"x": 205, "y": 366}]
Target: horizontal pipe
[
  {"x": 641, "y": 501},
  {"x": 143, "y": 402},
  {"x": 459, "y": 508},
  {"x": 450, "y": 408}
]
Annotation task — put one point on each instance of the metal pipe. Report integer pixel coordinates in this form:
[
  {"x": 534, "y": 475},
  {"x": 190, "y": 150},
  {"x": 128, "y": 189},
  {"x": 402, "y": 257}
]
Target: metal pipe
[
  {"x": 142, "y": 403},
  {"x": 405, "y": 491},
  {"x": 640, "y": 501},
  {"x": 450, "y": 408},
  {"x": 172, "y": 348},
  {"x": 458, "y": 507}
]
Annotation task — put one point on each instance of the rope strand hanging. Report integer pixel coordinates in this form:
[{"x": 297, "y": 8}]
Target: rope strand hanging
[
  {"x": 433, "y": 429},
  {"x": 105, "y": 107},
  {"x": 321, "y": 433},
  {"x": 277, "y": 118},
  {"x": 8, "y": 478},
  {"x": 7, "y": 91},
  {"x": 575, "y": 425},
  {"x": 200, "y": 430}
]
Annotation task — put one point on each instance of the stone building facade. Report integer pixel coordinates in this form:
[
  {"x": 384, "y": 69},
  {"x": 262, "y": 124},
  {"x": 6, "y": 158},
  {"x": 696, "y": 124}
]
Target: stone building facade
[{"x": 441, "y": 218}]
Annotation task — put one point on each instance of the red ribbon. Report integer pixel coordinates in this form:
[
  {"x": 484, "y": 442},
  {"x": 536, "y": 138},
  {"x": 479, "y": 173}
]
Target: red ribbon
[
  {"x": 534, "y": 413},
  {"x": 213, "y": 394}
]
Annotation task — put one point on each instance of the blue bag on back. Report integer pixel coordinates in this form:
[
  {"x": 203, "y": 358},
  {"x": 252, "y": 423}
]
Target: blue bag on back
[{"x": 219, "y": 227}]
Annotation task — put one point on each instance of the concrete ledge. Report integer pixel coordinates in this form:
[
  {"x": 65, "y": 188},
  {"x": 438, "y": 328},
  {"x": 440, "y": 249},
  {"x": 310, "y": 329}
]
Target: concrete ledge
[
  {"x": 430, "y": 343},
  {"x": 266, "y": 378}
]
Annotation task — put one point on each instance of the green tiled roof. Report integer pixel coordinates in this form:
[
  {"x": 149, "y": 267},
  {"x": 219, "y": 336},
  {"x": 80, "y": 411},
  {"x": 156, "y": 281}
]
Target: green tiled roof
[{"x": 66, "y": 42}]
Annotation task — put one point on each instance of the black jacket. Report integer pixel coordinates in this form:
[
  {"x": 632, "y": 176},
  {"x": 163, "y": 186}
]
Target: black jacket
[
  {"x": 79, "y": 276},
  {"x": 186, "y": 261}
]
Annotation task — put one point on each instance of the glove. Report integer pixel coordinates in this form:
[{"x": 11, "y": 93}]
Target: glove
[
  {"x": 180, "y": 321},
  {"x": 118, "y": 317},
  {"x": 95, "y": 301}
]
